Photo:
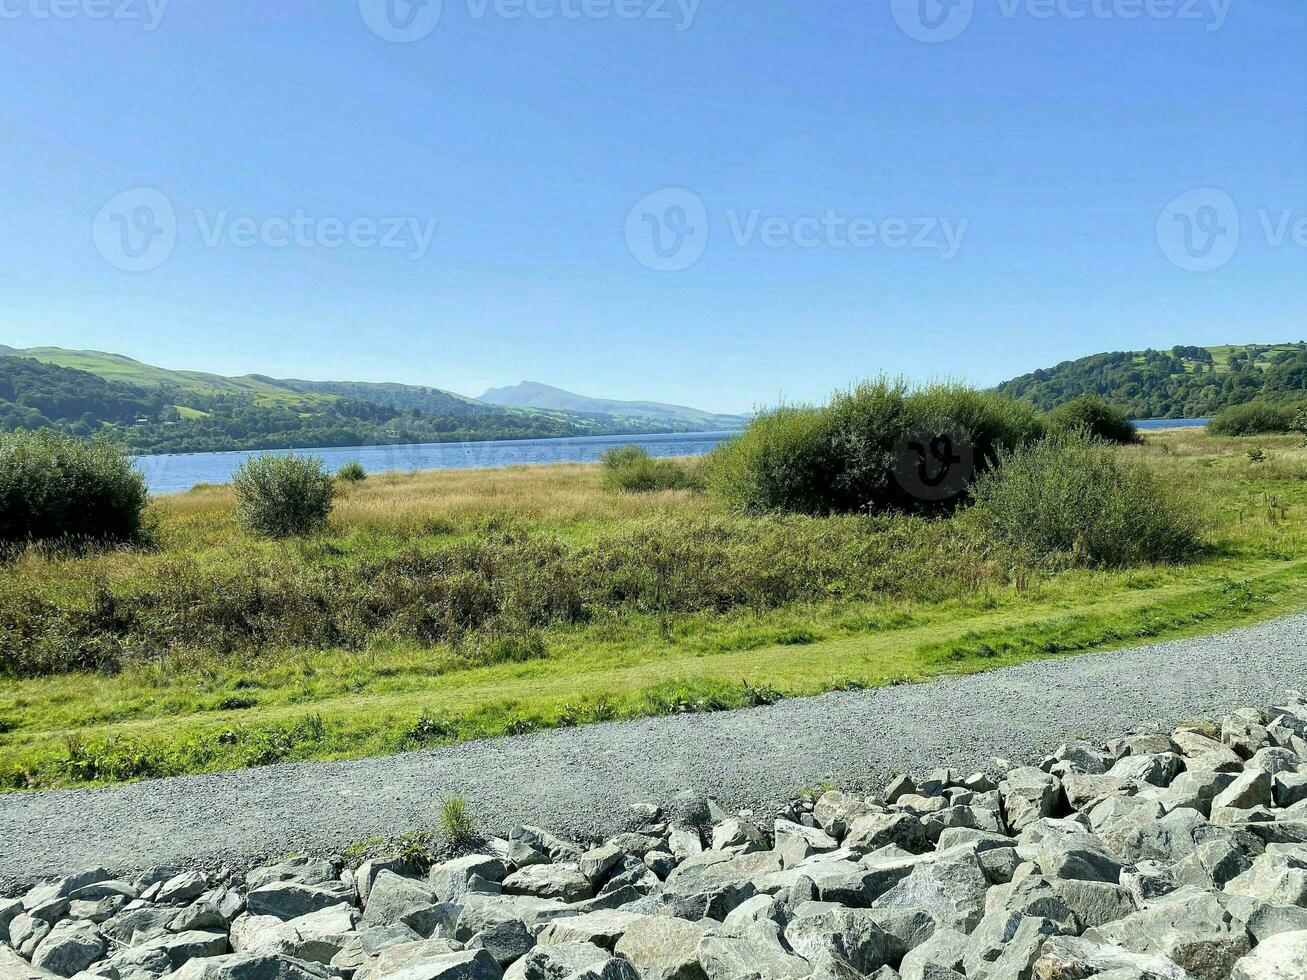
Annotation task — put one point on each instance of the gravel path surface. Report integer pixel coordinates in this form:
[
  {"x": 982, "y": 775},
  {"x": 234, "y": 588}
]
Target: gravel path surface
[{"x": 576, "y": 781}]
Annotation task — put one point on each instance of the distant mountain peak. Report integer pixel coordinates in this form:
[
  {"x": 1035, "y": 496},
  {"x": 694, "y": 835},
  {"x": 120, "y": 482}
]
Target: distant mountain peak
[{"x": 536, "y": 394}]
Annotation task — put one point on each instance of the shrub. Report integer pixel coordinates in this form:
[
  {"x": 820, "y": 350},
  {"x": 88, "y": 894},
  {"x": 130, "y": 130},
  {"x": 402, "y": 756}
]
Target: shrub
[
  {"x": 282, "y": 496},
  {"x": 1252, "y": 419},
  {"x": 1099, "y": 418},
  {"x": 1074, "y": 495},
  {"x": 632, "y": 469},
  {"x": 352, "y": 472},
  {"x": 878, "y": 447},
  {"x": 53, "y": 487}
]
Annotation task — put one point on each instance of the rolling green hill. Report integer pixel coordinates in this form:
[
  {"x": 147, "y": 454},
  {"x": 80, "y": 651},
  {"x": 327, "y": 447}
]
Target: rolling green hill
[
  {"x": 157, "y": 410},
  {"x": 1184, "y": 382}
]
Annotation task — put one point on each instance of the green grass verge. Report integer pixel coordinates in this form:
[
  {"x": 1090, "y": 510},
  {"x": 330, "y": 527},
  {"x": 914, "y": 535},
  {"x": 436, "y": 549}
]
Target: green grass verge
[{"x": 330, "y": 705}]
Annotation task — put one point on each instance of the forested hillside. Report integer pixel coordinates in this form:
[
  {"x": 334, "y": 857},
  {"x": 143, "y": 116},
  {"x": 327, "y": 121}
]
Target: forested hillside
[
  {"x": 1184, "y": 382},
  {"x": 154, "y": 410}
]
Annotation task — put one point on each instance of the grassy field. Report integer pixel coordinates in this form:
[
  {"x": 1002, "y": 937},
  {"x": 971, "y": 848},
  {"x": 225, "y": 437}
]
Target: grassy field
[{"x": 444, "y": 606}]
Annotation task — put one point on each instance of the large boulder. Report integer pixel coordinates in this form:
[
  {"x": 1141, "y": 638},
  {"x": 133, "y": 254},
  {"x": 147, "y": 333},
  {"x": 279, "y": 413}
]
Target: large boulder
[
  {"x": 1029, "y": 794},
  {"x": 1279, "y": 958},
  {"x": 664, "y": 948}
]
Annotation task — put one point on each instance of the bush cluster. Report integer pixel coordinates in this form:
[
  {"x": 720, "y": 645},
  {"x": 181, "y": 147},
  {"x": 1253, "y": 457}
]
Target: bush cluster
[
  {"x": 876, "y": 448},
  {"x": 632, "y": 469},
  {"x": 1073, "y": 495},
  {"x": 55, "y": 488},
  {"x": 283, "y": 496},
  {"x": 1094, "y": 415},
  {"x": 1252, "y": 419},
  {"x": 352, "y": 472}
]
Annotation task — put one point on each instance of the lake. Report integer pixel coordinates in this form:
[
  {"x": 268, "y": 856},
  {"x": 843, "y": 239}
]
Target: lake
[{"x": 179, "y": 472}]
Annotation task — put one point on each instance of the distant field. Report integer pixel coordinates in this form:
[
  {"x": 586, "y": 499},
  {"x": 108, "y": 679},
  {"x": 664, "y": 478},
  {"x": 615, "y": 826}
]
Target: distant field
[{"x": 462, "y": 604}]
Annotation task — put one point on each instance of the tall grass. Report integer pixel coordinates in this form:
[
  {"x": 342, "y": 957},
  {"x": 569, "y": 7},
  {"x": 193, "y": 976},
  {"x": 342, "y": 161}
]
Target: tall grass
[
  {"x": 1075, "y": 495},
  {"x": 632, "y": 469}
]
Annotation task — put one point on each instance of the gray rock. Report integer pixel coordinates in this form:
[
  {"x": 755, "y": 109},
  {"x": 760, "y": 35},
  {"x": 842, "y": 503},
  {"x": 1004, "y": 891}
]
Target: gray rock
[
  {"x": 1029, "y": 794},
  {"x": 561, "y": 881},
  {"x": 505, "y": 941},
  {"x": 366, "y": 873},
  {"x": 1250, "y": 788},
  {"x": 1211, "y": 865},
  {"x": 305, "y": 870},
  {"x": 480, "y": 912},
  {"x": 10, "y": 909},
  {"x": 14, "y": 967},
  {"x": 367, "y": 945},
  {"x": 834, "y": 938},
  {"x": 1155, "y": 769},
  {"x": 1006, "y": 945},
  {"x": 1080, "y": 857},
  {"x": 291, "y": 899},
  {"x": 70, "y": 947},
  {"x": 451, "y": 879},
  {"x": 755, "y": 952},
  {"x": 953, "y": 891},
  {"x": 1095, "y": 903},
  {"x": 1289, "y": 788},
  {"x": 1071, "y": 958},
  {"x": 1278, "y": 877},
  {"x": 393, "y": 899},
  {"x": 396, "y": 961},
  {"x": 1275, "y": 760},
  {"x": 945, "y": 950},
  {"x": 561, "y": 961},
  {"x": 875, "y": 830},
  {"x": 664, "y": 948},
  {"x": 185, "y": 887},
  {"x": 1279, "y": 958},
  {"x": 244, "y": 966},
  {"x": 1189, "y": 927},
  {"x": 738, "y": 836},
  {"x": 26, "y": 933},
  {"x": 795, "y": 842},
  {"x": 603, "y": 929}
]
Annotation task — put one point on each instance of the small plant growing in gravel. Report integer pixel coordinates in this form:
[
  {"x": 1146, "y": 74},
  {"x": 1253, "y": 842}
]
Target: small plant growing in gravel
[
  {"x": 352, "y": 472},
  {"x": 283, "y": 496},
  {"x": 456, "y": 824}
]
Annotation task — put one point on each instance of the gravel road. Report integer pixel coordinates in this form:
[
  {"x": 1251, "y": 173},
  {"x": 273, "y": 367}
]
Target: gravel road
[{"x": 577, "y": 781}]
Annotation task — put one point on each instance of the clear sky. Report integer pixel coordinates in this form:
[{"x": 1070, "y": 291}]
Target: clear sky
[{"x": 851, "y": 199}]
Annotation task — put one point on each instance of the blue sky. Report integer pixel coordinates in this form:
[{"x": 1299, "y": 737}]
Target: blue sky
[{"x": 1049, "y": 144}]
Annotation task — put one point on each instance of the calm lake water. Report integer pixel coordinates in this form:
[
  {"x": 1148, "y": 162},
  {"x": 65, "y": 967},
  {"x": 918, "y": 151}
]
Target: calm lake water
[{"x": 173, "y": 474}]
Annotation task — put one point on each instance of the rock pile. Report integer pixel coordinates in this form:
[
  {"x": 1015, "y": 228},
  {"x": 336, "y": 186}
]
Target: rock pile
[{"x": 1152, "y": 857}]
